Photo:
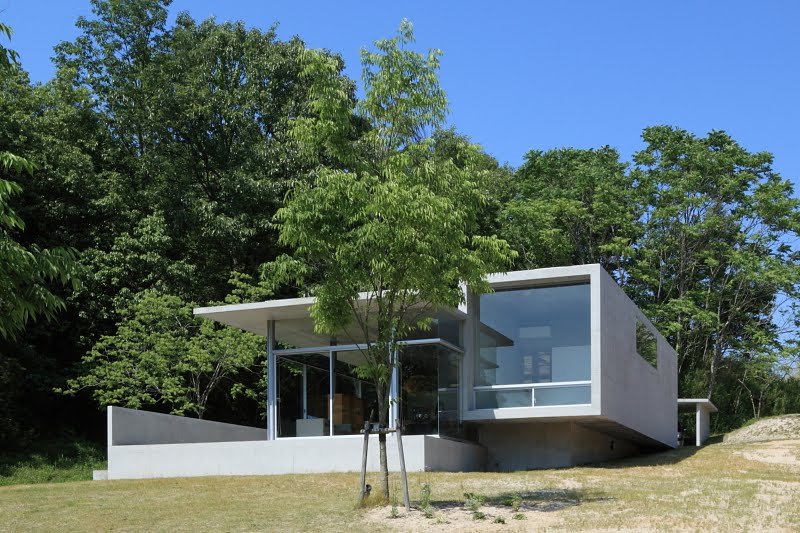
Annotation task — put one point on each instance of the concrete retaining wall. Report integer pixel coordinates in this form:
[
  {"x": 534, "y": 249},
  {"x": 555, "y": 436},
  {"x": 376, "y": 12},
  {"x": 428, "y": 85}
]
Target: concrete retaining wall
[
  {"x": 132, "y": 427},
  {"x": 302, "y": 455},
  {"x": 152, "y": 445}
]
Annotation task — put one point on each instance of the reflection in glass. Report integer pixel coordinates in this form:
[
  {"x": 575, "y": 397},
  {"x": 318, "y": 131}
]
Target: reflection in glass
[
  {"x": 580, "y": 394},
  {"x": 534, "y": 335},
  {"x": 495, "y": 399},
  {"x": 303, "y": 389},
  {"x": 353, "y": 398},
  {"x": 429, "y": 384}
]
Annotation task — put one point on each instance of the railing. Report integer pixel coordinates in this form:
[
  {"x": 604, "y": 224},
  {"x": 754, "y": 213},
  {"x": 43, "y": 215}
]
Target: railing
[{"x": 532, "y": 395}]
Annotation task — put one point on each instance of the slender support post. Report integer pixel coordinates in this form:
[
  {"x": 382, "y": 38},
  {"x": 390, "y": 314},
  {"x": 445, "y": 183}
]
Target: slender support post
[
  {"x": 403, "y": 476},
  {"x": 305, "y": 391},
  {"x": 272, "y": 383},
  {"x": 471, "y": 351},
  {"x": 331, "y": 384},
  {"x": 367, "y": 426},
  {"x": 394, "y": 392}
]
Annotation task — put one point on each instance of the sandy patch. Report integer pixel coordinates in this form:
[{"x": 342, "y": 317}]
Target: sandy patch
[
  {"x": 454, "y": 517},
  {"x": 776, "y": 452}
]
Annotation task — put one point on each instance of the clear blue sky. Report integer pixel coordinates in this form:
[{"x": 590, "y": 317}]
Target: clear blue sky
[{"x": 527, "y": 74}]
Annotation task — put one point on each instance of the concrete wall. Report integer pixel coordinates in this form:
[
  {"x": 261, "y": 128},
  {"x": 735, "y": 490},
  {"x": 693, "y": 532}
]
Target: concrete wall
[
  {"x": 634, "y": 393},
  {"x": 534, "y": 445},
  {"x": 287, "y": 456},
  {"x": 448, "y": 455},
  {"x": 130, "y": 427}
]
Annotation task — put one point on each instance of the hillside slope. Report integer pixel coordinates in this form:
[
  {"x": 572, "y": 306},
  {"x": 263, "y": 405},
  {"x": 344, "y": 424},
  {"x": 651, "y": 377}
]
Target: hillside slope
[{"x": 783, "y": 427}]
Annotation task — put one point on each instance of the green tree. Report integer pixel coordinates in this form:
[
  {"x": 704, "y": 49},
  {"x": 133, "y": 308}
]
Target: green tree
[
  {"x": 192, "y": 154},
  {"x": 26, "y": 272},
  {"x": 572, "y": 207},
  {"x": 388, "y": 216},
  {"x": 716, "y": 260},
  {"x": 161, "y": 355}
]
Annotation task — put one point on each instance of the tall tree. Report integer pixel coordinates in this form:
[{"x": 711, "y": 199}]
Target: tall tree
[
  {"x": 389, "y": 217},
  {"x": 26, "y": 272},
  {"x": 716, "y": 260},
  {"x": 572, "y": 207},
  {"x": 32, "y": 271},
  {"x": 161, "y": 355},
  {"x": 192, "y": 157}
]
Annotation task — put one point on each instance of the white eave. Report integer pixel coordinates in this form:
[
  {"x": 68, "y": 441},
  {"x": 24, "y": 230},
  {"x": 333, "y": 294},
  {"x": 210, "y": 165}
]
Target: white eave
[
  {"x": 253, "y": 317},
  {"x": 695, "y": 402}
]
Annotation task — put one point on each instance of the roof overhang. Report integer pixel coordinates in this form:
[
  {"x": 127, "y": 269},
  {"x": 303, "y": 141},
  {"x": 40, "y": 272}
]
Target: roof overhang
[
  {"x": 253, "y": 317},
  {"x": 694, "y": 403}
]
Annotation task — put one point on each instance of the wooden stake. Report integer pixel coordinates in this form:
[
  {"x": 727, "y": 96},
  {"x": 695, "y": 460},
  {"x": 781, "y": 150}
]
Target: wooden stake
[
  {"x": 403, "y": 475},
  {"x": 367, "y": 426}
]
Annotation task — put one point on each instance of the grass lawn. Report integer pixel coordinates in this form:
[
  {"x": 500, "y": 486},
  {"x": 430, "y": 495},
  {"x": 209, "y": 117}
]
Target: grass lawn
[
  {"x": 722, "y": 487},
  {"x": 52, "y": 461}
]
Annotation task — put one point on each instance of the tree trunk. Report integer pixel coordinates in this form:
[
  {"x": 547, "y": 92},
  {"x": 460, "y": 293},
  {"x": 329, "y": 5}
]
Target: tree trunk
[{"x": 383, "y": 418}]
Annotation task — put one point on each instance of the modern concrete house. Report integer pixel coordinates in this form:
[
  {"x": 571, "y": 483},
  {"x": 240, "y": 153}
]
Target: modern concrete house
[{"x": 555, "y": 367}]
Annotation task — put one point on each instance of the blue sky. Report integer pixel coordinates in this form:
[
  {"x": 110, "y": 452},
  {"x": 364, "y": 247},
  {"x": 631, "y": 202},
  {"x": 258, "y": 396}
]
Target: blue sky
[{"x": 523, "y": 75}]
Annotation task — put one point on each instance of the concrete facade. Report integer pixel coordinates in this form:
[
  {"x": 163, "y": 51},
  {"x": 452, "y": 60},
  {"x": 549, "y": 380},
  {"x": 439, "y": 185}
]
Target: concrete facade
[
  {"x": 702, "y": 417},
  {"x": 129, "y": 427},
  {"x": 167, "y": 453},
  {"x": 635, "y": 394},
  {"x": 631, "y": 405},
  {"x": 516, "y": 446}
]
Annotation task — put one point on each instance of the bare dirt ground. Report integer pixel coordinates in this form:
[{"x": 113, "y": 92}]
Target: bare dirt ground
[
  {"x": 456, "y": 518},
  {"x": 779, "y": 452},
  {"x": 786, "y": 427}
]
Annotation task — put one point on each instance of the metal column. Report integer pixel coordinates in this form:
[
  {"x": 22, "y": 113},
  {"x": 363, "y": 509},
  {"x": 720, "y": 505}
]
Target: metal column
[
  {"x": 394, "y": 392},
  {"x": 331, "y": 384},
  {"x": 272, "y": 383}
]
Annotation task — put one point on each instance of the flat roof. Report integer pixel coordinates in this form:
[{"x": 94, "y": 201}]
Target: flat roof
[
  {"x": 687, "y": 402},
  {"x": 291, "y": 314},
  {"x": 253, "y": 317}
]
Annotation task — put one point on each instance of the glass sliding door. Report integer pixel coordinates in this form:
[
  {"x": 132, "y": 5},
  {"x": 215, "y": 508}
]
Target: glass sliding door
[
  {"x": 429, "y": 389},
  {"x": 353, "y": 398},
  {"x": 303, "y": 390}
]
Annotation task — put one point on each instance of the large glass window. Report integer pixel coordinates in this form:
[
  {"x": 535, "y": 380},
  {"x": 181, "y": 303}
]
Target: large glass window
[
  {"x": 353, "y": 398},
  {"x": 429, "y": 378},
  {"x": 303, "y": 390},
  {"x": 531, "y": 336},
  {"x": 312, "y": 401}
]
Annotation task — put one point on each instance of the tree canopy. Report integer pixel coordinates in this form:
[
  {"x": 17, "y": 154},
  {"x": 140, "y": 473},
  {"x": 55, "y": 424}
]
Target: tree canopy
[
  {"x": 172, "y": 161},
  {"x": 384, "y": 212}
]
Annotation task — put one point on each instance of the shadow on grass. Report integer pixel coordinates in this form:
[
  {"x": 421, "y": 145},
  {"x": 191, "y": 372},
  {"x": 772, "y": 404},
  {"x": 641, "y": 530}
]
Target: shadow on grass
[
  {"x": 543, "y": 501},
  {"x": 65, "y": 459},
  {"x": 657, "y": 458}
]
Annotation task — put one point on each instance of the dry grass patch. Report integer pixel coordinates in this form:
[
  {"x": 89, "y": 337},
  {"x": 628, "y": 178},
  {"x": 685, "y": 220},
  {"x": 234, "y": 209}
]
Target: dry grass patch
[
  {"x": 717, "y": 488},
  {"x": 767, "y": 429}
]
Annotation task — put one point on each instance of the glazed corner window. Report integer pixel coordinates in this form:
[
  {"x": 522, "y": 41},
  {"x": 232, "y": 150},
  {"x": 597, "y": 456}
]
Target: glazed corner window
[{"x": 646, "y": 345}]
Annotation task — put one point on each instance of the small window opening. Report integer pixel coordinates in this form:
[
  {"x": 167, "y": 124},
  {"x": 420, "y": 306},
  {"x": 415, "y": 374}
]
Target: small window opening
[{"x": 646, "y": 345}]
